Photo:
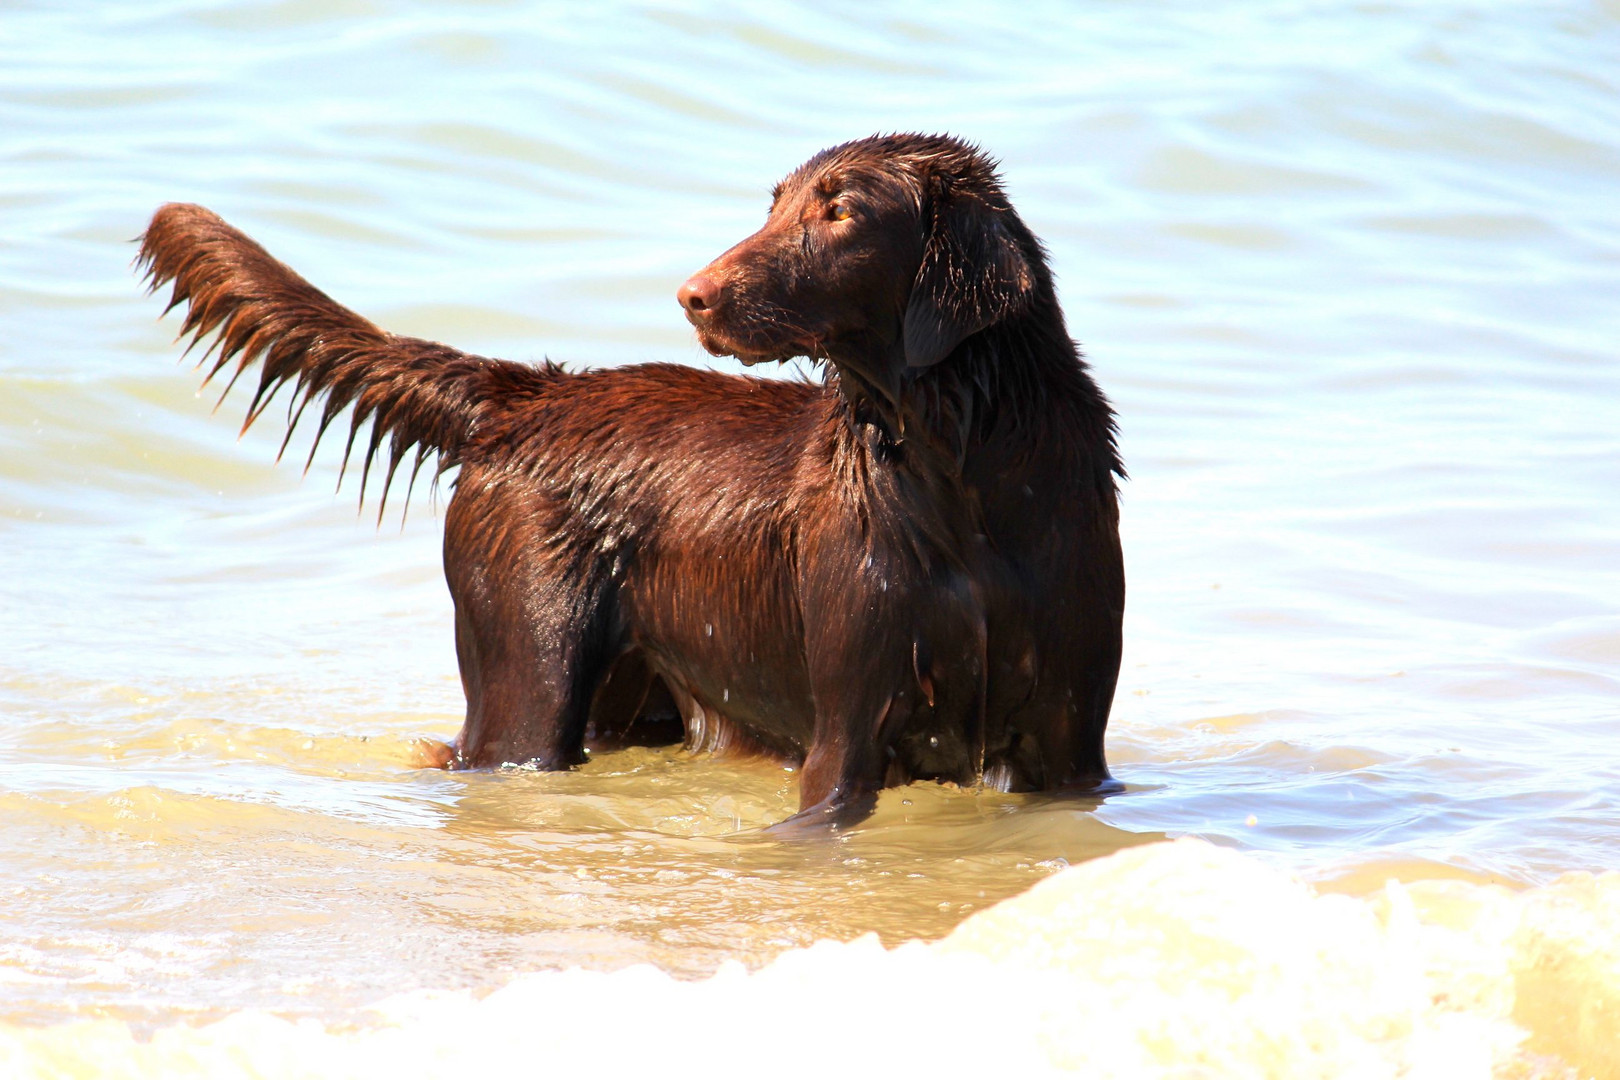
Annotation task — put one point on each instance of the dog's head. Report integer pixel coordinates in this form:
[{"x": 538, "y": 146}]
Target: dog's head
[{"x": 883, "y": 254}]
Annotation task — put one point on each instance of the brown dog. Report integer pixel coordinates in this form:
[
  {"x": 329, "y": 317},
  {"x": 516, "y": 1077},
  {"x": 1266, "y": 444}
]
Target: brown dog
[{"x": 911, "y": 570}]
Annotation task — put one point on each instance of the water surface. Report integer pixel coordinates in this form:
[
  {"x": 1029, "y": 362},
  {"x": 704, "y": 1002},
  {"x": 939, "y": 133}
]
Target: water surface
[{"x": 1347, "y": 271}]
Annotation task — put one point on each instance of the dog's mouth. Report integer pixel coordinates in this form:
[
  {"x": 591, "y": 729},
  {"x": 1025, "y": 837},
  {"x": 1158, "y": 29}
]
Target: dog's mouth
[{"x": 750, "y": 353}]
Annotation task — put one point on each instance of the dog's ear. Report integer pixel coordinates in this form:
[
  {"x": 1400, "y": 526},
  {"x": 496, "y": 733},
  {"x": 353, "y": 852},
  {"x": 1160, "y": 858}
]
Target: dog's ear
[{"x": 973, "y": 275}]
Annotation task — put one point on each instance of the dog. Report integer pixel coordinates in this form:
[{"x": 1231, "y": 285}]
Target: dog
[{"x": 909, "y": 569}]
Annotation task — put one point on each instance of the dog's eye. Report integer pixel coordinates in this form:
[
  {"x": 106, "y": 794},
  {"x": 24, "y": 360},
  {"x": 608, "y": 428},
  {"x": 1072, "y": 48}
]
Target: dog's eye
[{"x": 839, "y": 212}]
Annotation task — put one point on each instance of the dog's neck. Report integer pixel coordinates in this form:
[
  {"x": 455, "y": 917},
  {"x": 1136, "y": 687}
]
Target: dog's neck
[{"x": 987, "y": 412}]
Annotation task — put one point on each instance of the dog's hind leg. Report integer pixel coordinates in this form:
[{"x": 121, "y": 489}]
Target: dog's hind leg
[
  {"x": 530, "y": 669},
  {"x": 533, "y": 637}
]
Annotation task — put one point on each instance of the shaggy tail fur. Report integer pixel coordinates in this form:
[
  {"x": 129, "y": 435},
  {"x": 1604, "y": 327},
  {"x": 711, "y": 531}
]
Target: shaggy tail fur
[{"x": 420, "y": 393}]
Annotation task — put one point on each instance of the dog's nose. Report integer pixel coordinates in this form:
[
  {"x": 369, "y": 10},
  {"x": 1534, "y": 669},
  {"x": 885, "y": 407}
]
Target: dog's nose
[{"x": 699, "y": 296}]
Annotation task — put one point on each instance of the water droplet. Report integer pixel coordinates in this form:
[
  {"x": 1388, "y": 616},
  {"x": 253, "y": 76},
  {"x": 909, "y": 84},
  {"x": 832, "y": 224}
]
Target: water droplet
[
  {"x": 933, "y": 740},
  {"x": 708, "y": 629}
]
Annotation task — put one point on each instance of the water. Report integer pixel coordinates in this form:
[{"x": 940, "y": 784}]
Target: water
[{"x": 1347, "y": 271}]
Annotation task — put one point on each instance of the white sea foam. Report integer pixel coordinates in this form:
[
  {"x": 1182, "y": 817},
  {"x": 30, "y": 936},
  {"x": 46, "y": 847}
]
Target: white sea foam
[{"x": 1179, "y": 959}]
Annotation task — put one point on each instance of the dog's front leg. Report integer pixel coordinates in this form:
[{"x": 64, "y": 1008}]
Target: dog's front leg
[
  {"x": 864, "y": 691},
  {"x": 844, "y": 766}
]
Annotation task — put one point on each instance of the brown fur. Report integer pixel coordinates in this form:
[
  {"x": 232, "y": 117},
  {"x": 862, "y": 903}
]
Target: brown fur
[{"x": 908, "y": 570}]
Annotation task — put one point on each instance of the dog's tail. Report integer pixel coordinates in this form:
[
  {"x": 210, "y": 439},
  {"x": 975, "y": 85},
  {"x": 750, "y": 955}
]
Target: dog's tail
[{"x": 419, "y": 393}]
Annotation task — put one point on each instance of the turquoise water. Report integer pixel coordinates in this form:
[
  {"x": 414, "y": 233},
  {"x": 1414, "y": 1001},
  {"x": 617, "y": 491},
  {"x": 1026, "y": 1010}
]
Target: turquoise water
[{"x": 1348, "y": 272}]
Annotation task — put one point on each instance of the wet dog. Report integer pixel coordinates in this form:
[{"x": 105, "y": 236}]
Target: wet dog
[{"x": 908, "y": 570}]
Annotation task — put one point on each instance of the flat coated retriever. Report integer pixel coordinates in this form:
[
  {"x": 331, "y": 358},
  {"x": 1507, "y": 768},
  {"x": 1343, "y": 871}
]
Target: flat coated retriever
[{"x": 909, "y": 570}]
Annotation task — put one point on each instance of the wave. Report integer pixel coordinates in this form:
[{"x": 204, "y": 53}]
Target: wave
[{"x": 1174, "y": 959}]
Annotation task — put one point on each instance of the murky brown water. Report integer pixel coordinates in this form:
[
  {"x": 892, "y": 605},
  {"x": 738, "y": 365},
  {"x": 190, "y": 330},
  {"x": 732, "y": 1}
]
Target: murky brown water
[{"x": 1348, "y": 272}]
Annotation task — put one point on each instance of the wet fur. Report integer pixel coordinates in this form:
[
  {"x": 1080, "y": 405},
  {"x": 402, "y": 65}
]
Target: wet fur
[{"x": 908, "y": 570}]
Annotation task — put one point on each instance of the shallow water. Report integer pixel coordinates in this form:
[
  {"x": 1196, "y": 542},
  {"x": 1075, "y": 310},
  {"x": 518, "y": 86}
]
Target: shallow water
[{"x": 1347, "y": 271}]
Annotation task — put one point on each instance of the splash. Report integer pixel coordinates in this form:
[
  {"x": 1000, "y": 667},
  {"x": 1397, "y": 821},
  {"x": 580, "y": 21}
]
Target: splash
[{"x": 1179, "y": 959}]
